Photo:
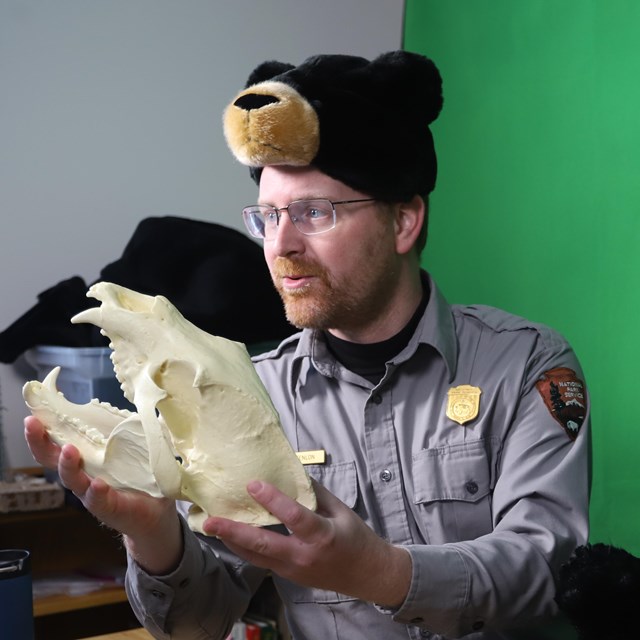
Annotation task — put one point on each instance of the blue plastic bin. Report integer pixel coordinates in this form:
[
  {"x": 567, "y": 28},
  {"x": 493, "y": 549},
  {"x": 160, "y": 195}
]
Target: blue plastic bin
[{"x": 85, "y": 373}]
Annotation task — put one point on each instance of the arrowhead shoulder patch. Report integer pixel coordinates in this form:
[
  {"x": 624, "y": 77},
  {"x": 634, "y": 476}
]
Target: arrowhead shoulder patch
[{"x": 564, "y": 394}]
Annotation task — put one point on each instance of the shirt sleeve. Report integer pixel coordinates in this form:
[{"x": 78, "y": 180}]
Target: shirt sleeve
[
  {"x": 539, "y": 512},
  {"x": 202, "y": 598}
]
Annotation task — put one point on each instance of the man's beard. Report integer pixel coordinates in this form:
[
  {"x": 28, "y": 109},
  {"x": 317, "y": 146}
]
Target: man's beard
[
  {"x": 326, "y": 303},
  {"x": 305, "y": 307}
]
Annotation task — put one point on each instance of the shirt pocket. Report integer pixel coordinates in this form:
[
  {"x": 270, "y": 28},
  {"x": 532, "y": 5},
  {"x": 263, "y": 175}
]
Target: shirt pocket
[
  {"x": 452, "y": 491},
  {"x": 341, "y": 479}
]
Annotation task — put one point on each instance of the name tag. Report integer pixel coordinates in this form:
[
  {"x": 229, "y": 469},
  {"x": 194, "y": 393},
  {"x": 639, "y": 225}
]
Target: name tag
[{"x": 312, "y": 457}]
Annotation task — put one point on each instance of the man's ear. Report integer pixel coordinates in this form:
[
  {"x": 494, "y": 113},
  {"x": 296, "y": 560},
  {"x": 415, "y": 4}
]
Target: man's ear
[{"x": 409, "y": 218}]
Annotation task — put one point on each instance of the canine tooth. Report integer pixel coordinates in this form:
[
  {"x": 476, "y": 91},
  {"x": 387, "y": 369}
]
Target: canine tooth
[
  {"x": 91, "y": 316},
  {"x": 51, "y": 380}
]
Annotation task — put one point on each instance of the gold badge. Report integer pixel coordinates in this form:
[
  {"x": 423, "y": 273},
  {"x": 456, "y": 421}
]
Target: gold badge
[{"x": 464, "y": 403}]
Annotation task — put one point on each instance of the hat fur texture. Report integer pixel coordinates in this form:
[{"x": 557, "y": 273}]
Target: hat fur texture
[{"x": 364, "y": 123}]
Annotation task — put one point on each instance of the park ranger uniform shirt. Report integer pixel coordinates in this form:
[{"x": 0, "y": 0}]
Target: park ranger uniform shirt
[{"x": 471, "y": 451}]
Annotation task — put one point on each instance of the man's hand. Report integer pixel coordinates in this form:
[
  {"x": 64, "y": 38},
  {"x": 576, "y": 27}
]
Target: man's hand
[
  {"x": 151, "y": 525},
  {"x": 330, "y": 549}
]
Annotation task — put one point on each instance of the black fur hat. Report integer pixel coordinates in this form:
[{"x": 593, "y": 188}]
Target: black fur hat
[{"x": 365, "y": 123}]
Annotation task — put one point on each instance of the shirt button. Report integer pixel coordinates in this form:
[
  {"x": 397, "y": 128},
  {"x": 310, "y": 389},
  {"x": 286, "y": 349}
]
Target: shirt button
[
  {"x": 471, "y": 487},
  {"x": 386, "y": 475},
  {"x": 377, "y": 398},
  {"x": 424, "y": 633}
]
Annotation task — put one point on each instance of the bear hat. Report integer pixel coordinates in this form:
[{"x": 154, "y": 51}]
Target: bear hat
[{"x": 364, "y": 123}]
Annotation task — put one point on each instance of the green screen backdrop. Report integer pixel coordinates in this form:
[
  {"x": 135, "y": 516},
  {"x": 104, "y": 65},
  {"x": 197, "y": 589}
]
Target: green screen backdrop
[{"x": 537, "y": 208}]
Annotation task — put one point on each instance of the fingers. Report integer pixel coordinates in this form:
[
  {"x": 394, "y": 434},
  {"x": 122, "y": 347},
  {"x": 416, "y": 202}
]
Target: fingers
[
  {"x": 66, "y": 460},
  {"x": 43, "y": 449},
  {"x": 260, "y": 546},
  {"x": 328, "y": 549},
  {"x": 70, "y": 471},
  {"x": 129, "y": 512},
  {"x": 269, "y": 548},
  {"x": 94, "y": 493},
  {"x": 303, "y": 522}
]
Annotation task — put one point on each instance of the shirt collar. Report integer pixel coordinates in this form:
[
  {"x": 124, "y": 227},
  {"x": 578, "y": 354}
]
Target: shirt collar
[{"x": 437, "y": 327}]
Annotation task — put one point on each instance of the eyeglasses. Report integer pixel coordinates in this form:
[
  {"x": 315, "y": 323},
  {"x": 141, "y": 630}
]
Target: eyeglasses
[{"x": 309, "y": 217}]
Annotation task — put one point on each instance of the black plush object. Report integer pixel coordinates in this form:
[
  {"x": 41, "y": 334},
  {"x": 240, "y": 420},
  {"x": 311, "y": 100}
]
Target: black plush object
[
  {"x": 365, "y": 123},
  {"x": 47, "y": 322},
  {"x": 215, "y": 276},
  {"x": 599, "y": 591}
]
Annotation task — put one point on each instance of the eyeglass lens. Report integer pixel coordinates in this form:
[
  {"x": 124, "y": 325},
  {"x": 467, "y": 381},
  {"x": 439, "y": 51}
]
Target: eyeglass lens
[{"x": 308, "y": 216}]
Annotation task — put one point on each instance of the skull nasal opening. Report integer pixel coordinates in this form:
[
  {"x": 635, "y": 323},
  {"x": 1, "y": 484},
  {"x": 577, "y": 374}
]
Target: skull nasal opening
[{"x": 251, "y": 101}]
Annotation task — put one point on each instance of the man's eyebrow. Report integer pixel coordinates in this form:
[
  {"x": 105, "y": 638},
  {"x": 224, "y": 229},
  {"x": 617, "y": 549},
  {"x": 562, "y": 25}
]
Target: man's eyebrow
[{"x": 309, "y": 197}]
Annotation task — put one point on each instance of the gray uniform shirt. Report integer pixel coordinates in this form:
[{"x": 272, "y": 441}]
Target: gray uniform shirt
[{"x": 488, "y": 509}]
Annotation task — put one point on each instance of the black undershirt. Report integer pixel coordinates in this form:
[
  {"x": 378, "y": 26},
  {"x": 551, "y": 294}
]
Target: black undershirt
[{"x": 369, "y": 360}]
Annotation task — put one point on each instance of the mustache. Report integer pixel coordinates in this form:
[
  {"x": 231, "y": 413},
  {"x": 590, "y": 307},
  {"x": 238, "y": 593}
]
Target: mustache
[{"x": 282, "y": 267}]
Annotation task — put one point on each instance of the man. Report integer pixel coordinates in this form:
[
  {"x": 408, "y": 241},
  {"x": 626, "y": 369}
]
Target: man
[{"x": 448, "y": 444}]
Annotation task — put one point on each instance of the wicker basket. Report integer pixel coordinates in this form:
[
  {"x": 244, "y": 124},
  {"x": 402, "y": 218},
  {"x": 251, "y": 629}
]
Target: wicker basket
[{"x": 27, "y": 490}]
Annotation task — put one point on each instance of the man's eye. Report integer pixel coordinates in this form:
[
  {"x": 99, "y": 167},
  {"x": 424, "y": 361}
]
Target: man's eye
[
  {"x": 271, "y": 217},
  {"x": 313, "y": 213}
]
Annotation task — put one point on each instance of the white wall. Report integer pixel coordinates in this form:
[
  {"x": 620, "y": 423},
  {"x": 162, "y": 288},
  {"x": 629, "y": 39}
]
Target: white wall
[{"x": 110, "y": 112}]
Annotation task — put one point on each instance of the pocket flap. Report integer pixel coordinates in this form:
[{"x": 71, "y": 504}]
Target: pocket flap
[
  {"x": 453, "y": 472},
  {"x": 341, "y": 479}
]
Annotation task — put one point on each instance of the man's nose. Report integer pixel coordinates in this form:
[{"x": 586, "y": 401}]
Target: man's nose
[{"x": 287, "y": 238}]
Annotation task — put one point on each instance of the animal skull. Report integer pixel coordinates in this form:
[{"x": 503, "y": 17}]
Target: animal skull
[{"x": 204, "y": 427}]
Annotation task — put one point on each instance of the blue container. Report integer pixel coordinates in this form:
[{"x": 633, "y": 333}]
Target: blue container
[
  {"x": 85, "y": 373},
  {"x": 16, "y": 595}
]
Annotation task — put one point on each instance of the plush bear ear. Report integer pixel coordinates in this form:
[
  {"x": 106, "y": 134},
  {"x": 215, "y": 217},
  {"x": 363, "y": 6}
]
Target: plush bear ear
[
  {"x": 408, "y": 78},
  {"x": 266, "y": 71}
]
